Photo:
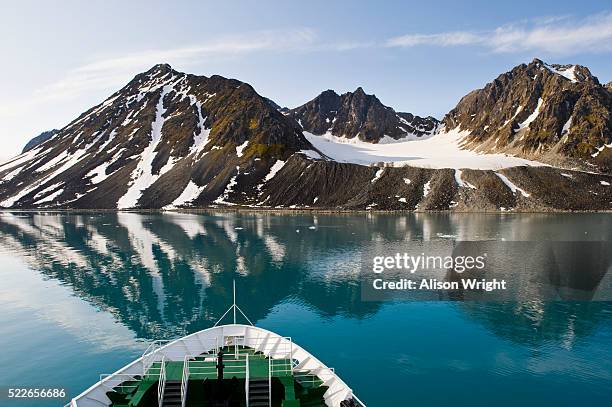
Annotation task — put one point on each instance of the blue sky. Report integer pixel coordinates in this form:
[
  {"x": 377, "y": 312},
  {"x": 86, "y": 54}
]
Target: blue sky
[{"x": 60, "y": 59}]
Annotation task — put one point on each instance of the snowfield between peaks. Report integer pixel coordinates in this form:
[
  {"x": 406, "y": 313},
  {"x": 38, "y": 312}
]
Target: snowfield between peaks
[{"x": 439, "y": 151}]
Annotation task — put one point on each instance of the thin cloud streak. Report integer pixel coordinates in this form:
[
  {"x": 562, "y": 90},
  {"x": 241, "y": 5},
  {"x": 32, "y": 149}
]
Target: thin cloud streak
[
  {"x": 552, "y": 36},
  {"x": 110, "y": 73},
  {"x": 549, "y": 35},
  {"x": 442, "y": 39}
]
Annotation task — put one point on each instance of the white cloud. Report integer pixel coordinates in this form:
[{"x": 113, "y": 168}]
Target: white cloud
[
  {"x": 441, "y": 39},
  {"x": 112, "y": 72},
  {"x": 55, "y": 104},
  {"x": 550, "y": 35},
  {"x": 107, "y": 74},
  {"x": 76, "y": 89}
]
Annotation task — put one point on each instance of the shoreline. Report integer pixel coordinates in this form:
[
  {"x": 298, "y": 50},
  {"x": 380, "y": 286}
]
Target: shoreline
[{"x": 302, "y": 211}]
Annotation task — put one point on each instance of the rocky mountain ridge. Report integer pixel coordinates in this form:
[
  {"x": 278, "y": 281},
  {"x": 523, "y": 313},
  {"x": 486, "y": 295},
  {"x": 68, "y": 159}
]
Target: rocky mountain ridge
[
  {"x": 171, "y": 140},
  {"x": 163, "y": 132},
  {"x": 559, "y": 114},
  {"x": 357, "y": 114},
  {"x": 41, "y": 138}
]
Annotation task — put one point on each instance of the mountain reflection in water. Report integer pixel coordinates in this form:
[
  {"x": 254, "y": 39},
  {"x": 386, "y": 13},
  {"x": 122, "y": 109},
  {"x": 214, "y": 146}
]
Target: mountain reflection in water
[
  {"x": 170, "y": 274},
  {"x": 162, "y": 275}
]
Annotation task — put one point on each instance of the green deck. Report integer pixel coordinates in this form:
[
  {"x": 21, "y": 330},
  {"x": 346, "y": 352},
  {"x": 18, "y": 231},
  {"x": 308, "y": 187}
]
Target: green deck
[
  {"x": 287, "y": 390},
  {"x": 259, "y": 367}
]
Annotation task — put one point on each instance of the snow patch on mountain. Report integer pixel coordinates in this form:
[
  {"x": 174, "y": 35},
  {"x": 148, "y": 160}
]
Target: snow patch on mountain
[
  {"x": 566, "y": 126},
  {"x": 191, "y": 192},
  {"x": 47, "y": 190},
  {"x": 241, "y": 147},
  {"x": 377, "y": 176},
  {"x": 12, "y": 174},
  {"x": 274, "y": 170},
  {"x": 223, "y": 198},
  {"x": 510, "y": 185},
  {"x": 98, "y": 174},
  {"x": 568, "y": 72},
  {"x": 533, "y": 115},
  {"x": 142, "y": 176},
  {"x": 20, "y": 159},
  {"x": 600, "y": 149},
  {"x": 73, "y": 160},
  {"x": 200, "y": 140},
  {"x": 518, "y": 110},
  {"x": 53, "y": 162},
  {"x": 427, "y": 188},
  {"x": 461, "y": 182},
  {"x": 440, "y": 151},
  {"x": 109, "y": 140},
  {"x": 51, "y": 197}
]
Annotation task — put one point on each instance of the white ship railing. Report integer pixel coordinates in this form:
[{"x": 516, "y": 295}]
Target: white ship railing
[
  {"x": 150, "y": 353},
  {"x": 185, "y": 380},
  {"x": 125, "y": 378},
  {"x": 161, "y": 386},
  {"x": 200, "y": 343},
  {"x": 207, "y": 342},
  {"x": 284, "y": 367},
  {"x": 361, "y": 403},
  {"x": 246, "y": 381},
  {"x": 305, "y": 376},
  {"x": 189, "y": 347}
]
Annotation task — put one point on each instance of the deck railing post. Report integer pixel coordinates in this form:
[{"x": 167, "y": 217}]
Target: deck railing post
[
  {"x": 185, "y": 380},
  {"x": 162, "y": 382},
  {"x": 291, "y": 355},
  {"x": 270, "y": 380},
  {"x": 246, "y": 381}
]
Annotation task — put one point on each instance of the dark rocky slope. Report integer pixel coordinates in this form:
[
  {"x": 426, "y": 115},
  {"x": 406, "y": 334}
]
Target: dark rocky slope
[
  {"x": 314, "y": 184},
  {"x": 356, "y": 114},
  {"x": 558, "y": 114},
  {"x": 41, "y": 138},
  {"x": 146, "y": 143}
]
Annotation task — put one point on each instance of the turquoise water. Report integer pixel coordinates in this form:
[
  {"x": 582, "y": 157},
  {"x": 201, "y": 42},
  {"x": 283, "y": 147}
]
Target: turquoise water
[{"x": 81, "y": 294}]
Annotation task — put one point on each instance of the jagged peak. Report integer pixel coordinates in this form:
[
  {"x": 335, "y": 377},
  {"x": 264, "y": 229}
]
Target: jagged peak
[
  {"x": 573, "y": 72},
  {"x": 359, "y": 94},
  {"x": 156, "y": 74},
  {"x": 329, "y": 92},
  {"x": 160, "y": 68}
]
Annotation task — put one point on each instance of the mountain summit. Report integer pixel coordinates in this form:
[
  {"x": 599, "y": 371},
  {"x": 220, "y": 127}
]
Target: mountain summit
[
  {"x": 559, "y": 114},
  {"x": 357, "y": 114},
  {"x": 166, "y": 137}
]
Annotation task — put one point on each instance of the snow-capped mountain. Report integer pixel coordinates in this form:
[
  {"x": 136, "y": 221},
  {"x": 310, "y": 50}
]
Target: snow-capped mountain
[
  {"x": 559, "y": 114},
  {"x": 174, "y": 140},
  {"x": 165, "y": 138},
  {"x": 358, "y": 115}
]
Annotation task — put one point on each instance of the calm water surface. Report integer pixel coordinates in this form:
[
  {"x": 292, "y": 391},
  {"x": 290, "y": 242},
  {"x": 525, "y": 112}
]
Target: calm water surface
[{"x": 81, "y": 294}]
